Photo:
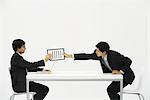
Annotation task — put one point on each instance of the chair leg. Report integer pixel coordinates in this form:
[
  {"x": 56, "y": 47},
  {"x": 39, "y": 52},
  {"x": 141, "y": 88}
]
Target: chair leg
[
  {"x": 139, "y": 96},
  {"x": 32, "y": 96},
  {"x": 12, "y": 97},
  {"x": 142, "y": 96}
]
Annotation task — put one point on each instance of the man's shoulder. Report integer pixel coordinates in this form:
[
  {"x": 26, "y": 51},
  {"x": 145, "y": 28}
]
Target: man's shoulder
[
  {"x": 112, "y": 52},
  {"x": 15, "y": 55}
]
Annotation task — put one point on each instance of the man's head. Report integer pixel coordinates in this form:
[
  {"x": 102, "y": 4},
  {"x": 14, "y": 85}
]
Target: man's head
[
  {"x": 102, "y": 49},
  {"x": 18, "y": 45}
]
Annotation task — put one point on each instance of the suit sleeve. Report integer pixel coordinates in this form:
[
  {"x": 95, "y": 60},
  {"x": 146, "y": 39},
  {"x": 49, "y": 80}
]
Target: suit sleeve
[
  {"x": 84, "y": 56},
  {"x": 20, "y": 62}
]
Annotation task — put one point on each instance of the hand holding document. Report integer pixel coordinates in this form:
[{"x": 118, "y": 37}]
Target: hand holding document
[
  {"x": 48, "y": 57},
  {"x": 68, "y": 55}
]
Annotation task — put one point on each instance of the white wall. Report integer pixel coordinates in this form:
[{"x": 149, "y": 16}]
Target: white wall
[
  {"x": 148, "y": 39},
  {"x": 76, "y": 25},
  {"x": 0, "y": 46},
  {"x": 1, "y": 56}
]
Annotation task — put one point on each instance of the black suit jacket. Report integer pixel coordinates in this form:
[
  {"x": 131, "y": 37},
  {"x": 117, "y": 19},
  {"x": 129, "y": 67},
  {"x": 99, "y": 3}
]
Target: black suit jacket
[
  {"x": 18, "y": 71},
  {"x": 116, "y": 62}
]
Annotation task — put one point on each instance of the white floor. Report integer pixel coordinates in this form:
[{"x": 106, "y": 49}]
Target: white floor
[
  {"x": 125, "y": 98},
  {"x": 78, "y": 91}
]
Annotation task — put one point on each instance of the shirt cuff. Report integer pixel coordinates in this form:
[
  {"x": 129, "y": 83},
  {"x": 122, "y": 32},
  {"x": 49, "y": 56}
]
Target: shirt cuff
[
  {"x": 72, "y": 56},
  {"x": 121, "y": 72}
]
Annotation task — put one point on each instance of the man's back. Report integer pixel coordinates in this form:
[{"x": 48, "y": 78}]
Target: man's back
[{"x": 18, "y": 74}]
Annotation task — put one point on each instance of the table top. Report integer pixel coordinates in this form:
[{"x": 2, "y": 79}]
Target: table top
[{"x": 72, "y": 75}]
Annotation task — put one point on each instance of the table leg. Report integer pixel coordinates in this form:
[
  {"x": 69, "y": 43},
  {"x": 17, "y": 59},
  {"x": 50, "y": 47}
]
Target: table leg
[
  {"x": 121, "y": 89},
  {"x": 27, "y": 89}
]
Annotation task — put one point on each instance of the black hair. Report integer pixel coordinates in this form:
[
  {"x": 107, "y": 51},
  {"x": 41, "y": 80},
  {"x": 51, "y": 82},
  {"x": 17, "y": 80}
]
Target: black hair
[
  {"x": 103, "y": 46},
  {"x": 17, "y": 43}
]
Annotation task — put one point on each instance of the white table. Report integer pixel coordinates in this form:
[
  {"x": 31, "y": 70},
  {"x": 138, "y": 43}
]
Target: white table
[{"x": 72, "y": 76}]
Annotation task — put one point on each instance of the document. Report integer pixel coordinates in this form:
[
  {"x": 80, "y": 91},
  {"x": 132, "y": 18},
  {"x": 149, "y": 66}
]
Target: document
[{"x": 57, "y": 54}]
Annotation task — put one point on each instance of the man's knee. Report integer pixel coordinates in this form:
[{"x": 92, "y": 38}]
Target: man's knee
[
  {"x": 109, "y": 90},
  {"x": 112, "y": 93},
  {"x": 46, "y": 89}
]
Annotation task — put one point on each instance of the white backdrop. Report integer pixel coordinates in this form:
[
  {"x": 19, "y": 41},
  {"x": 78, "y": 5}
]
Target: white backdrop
[
  {"x": 148, "y": 38},
  {"x": 76, "y": 25}
]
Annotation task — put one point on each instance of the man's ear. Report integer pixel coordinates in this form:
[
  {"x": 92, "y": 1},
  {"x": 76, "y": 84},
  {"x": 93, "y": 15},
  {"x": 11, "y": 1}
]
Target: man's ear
[
  {"x": 104, "y": 52},
  {"x": 17, "y": 49}
]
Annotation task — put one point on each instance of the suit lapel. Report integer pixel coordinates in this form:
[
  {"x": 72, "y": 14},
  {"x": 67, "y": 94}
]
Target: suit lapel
[{"x": 109, "y": 59}]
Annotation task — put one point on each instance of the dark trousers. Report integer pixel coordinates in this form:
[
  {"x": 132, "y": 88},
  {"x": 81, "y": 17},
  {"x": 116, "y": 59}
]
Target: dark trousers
[
  {"x": 41, "y": 90},
  {"x": 113, "y": 90}
]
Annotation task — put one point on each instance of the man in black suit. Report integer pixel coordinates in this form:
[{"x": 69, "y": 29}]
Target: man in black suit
[
  {"x": 111, "y": 62},
  {"x": 19, "y": 68}
]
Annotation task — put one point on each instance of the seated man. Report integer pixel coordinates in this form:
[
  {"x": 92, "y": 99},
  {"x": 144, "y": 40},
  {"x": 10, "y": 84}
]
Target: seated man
[
  {"x": 19, "y": 68},
  {"x": 111, "y": 62}
]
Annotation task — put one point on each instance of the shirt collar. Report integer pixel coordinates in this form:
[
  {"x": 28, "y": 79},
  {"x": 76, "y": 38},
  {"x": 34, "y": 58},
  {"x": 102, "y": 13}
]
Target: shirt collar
[
  {"x": 105, "y": 58},
  {"x": 18, "y": 53}
]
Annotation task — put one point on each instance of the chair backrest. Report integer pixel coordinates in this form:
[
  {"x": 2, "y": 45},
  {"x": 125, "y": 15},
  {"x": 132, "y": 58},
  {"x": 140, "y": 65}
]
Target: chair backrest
[
  {"x": 11, "y": 75},
  {"x": 10, "y": 72},
  {"x": 9, "y": 68},
  {"x": 139, "y": 82}
]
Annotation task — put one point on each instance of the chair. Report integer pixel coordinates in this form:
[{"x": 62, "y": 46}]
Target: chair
[
  {"x": 15, "y": 94},
  {"x": 137, "y": 90}
]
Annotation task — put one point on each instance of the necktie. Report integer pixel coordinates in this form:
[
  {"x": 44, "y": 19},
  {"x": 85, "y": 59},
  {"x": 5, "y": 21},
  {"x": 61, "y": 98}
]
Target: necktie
[
  {"x": 104, "y": 62},
  {"x": 106, "y": 65}
]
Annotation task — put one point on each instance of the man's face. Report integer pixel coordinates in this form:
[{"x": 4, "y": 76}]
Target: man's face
[
  {"x": 99, "y": 53},
  {"x": 22, "y": 49}
]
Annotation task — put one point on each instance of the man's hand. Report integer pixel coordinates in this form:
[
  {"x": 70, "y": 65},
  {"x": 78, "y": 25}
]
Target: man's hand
[
  {"x": 68, "y": 55},
  {"x": 46, "y": 71},
  {"x": 116, "y": 72},
  {"x": 48, "y": 57}
]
